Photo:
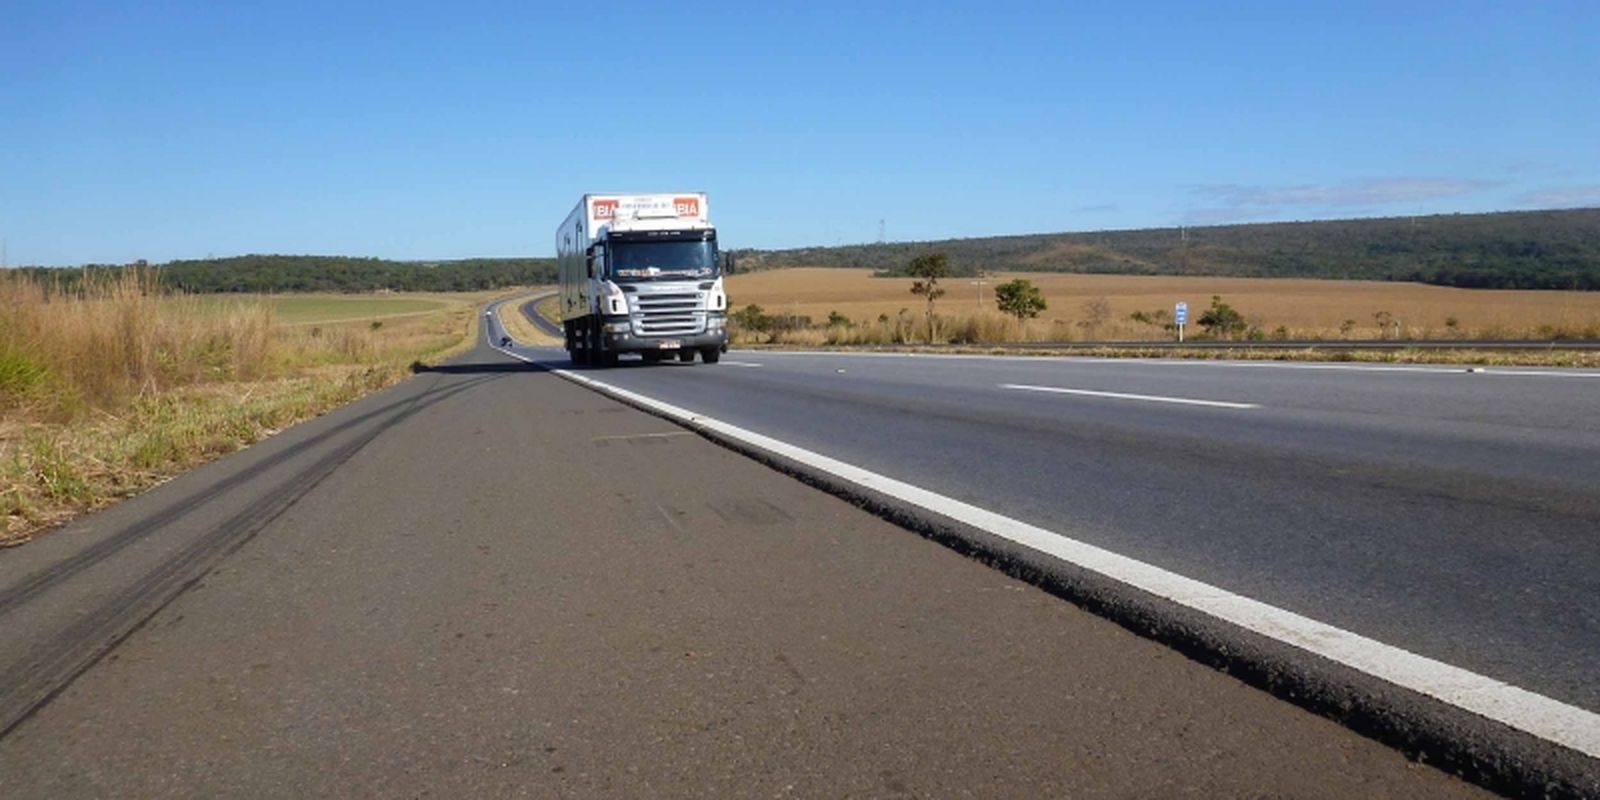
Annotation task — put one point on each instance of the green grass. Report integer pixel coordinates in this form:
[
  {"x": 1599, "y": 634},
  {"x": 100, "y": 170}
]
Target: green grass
[{"x": 301, "y": 310}]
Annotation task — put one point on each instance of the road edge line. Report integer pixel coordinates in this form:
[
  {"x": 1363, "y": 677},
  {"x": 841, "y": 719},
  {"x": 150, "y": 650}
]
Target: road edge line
[{"x": 1459, "y": 727}]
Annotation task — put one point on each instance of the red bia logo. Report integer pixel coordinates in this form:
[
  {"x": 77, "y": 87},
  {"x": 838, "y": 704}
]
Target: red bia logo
[
  {"x": 605, "y": 209},
  {"x": 687, "y": 206}
]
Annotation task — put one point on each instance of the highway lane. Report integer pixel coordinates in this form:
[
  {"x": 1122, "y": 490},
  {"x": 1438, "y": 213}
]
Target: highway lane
[
  {"x": 1453, "y": 514},
  {"x": 487, "y": 581}
]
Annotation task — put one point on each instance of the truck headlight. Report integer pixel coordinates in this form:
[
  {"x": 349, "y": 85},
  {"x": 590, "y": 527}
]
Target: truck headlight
[{"x": 615, "y": 301}]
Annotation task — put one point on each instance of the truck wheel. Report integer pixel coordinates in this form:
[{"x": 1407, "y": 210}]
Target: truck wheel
[
  {"x": 600, "y": 356},
  {"x": 711, "y": 355},
  {"x": 651, "y": 356},
  {"x": 686, "y": 356},
  {"x": 575, "y": 350}
]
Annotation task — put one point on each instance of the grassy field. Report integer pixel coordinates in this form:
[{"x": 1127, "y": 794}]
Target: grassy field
[
  {"x": 311, "y": 309},
  {"x": 108, "y": 392},
  {"x": 1280, "y": 308}
]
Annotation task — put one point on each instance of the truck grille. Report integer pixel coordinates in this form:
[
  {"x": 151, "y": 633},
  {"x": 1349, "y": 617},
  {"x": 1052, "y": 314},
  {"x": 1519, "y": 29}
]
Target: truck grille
[{"x": 669, "y": 315}]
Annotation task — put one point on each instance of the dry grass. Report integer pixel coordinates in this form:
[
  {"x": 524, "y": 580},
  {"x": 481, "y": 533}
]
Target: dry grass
[
  {"x": 110, "y": 390},
  {"x": 521, "y": 328},
  {"x": 1307, "y": 309},
  {"x": 62, "y": 355}
]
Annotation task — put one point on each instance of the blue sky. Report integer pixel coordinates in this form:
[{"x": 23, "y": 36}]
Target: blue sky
[{"x": 164, "y": 130}]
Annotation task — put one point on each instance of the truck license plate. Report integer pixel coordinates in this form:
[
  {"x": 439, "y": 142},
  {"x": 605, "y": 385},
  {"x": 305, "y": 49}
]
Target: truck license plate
[{"x": 669, "y": 344}]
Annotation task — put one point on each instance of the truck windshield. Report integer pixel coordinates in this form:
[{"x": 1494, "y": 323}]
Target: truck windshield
[{"x": 646, "y": 261}]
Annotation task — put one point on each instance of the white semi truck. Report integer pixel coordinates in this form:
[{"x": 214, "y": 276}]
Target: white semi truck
[{"x": 640, "y": 274}]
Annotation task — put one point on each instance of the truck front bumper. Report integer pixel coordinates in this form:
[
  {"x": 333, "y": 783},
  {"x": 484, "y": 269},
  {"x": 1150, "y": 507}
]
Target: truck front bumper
[{"x": 626, "y": 341}]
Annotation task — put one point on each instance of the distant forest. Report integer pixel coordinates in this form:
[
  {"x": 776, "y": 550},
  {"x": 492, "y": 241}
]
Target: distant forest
[
  {"x": 1510, "y": 250},
  {"x": 275, "y": 273}
]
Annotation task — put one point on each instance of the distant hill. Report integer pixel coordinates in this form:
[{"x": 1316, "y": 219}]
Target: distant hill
[
  {"x": 1509, "y": 250},
  {"x": 279, "y": 273}
]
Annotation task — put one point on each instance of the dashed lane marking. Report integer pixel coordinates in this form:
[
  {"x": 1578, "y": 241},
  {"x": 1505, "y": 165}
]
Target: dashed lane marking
[{"x": 1148, "y": 398}]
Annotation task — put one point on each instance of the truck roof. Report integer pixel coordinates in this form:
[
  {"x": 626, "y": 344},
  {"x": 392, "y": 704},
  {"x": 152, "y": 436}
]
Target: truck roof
[{"x": 597, "y": 214}]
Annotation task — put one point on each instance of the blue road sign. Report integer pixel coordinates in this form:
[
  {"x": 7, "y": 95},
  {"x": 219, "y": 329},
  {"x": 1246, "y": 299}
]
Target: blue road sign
[{"x": 1180, "y": 313}]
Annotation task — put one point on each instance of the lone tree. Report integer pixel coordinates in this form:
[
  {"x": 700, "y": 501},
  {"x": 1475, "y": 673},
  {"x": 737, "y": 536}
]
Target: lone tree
[
  {"x": 1021, "y": 299},
  {"x": 1221, "y": 320},
  {"x": 928, "y": 269}
]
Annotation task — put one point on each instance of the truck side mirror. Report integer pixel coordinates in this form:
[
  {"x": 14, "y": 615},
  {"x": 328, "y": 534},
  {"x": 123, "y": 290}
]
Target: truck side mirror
[{"x": 589, "y": 264}]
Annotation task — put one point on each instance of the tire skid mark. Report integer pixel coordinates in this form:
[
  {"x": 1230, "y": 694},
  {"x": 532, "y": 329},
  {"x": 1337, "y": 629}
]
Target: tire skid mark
[
  {"x": 54, "y": 666},
  {"x": 18, "y": 595}
]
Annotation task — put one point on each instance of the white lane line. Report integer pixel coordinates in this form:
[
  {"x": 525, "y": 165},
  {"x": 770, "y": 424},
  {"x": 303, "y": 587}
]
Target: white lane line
[
  {"x": 1551, "y": 720},
  {"x": 1150, "y": 398},
  {"x": 1546, "y": 718},
  {"x": 739, "y": 363},
  {"x": 1434, "y": 370}
]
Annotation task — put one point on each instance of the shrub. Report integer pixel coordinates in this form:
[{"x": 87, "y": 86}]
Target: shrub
[
  {"x": 751, "y": 318},
  {"x": 1221, "y": 320}
]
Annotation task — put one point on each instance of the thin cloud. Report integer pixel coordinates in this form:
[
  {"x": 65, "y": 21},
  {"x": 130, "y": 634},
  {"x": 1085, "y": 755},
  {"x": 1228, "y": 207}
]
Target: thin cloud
[
  {"x": 1562, "y": 197},
  {"x": 1527, "y": 166},
  {"x": 1370, "y": 192}
]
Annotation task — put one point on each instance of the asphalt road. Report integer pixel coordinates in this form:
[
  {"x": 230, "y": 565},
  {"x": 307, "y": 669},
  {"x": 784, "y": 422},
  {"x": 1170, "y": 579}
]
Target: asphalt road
[
  {"x": 488, "y": 581},
  {"x": 529, "y": 310},
  {"x": 1455, "y": 514}
]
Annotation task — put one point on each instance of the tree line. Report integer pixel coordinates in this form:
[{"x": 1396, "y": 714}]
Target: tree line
[
  {"x": 269, "y": 274},
  {"x": 1506, "y": 250}
]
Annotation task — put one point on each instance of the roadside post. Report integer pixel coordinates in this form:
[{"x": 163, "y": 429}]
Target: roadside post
[{"x": 1180, "y": 315}]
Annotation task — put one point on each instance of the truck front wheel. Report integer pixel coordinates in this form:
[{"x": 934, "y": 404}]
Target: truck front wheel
[
  {"x": 600, "y": 356},
  {"x": 711, "y": 355}
]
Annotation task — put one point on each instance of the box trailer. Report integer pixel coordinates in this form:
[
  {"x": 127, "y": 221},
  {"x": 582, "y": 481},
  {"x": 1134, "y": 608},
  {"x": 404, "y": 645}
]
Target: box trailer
[{"x": 639, "y": 273}]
